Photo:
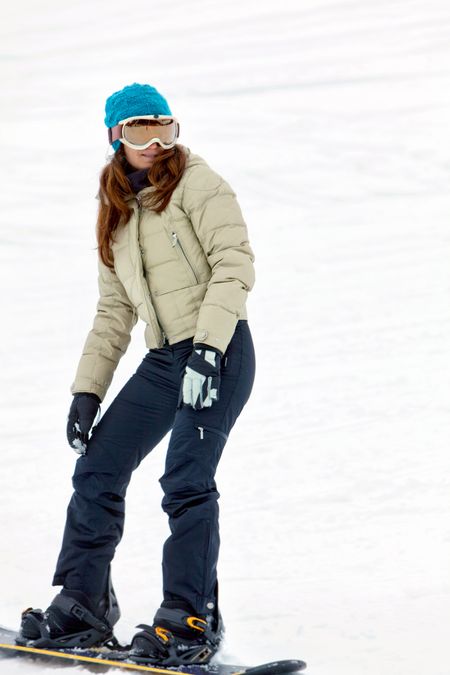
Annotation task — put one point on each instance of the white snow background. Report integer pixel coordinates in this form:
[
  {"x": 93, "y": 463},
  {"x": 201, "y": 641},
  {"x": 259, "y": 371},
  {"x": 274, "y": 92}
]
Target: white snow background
[{"x": 330, "y": 119}]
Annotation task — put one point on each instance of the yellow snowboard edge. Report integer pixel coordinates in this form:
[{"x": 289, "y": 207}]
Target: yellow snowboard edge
[{"x": 89, "y": 659}]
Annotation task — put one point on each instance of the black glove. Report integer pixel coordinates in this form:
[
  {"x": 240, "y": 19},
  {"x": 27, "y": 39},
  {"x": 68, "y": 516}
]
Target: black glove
[
  {"x": 82, "y": 414},
  {"x": 201, "y": 382}
]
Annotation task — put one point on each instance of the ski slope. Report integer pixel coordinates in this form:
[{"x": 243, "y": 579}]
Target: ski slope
[{"x": 330, "y": 119}]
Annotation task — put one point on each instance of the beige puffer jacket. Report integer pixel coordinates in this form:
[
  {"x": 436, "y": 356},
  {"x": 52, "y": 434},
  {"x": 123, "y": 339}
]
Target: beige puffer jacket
[{"x": 186, "y": 272}]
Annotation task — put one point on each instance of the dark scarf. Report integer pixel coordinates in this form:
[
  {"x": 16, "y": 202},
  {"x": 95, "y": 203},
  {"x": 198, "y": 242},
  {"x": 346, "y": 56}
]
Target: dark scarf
[{"x": 137, "y": 178}]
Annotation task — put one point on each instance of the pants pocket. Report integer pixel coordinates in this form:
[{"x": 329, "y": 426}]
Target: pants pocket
[{"x": 210, "y": 430}]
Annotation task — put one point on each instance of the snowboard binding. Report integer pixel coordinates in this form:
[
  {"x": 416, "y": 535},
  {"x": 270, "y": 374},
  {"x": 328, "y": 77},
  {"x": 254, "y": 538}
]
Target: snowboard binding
[
  {"x": 71, "y": 622},
  {"x": 176, "y": 638}
]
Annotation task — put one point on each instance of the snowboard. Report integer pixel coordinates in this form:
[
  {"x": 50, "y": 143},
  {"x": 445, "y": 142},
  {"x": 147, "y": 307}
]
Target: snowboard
[{"x": 105, "y": 659}]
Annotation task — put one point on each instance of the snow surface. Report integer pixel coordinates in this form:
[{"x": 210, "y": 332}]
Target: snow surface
[{"x": 330, "y": 119}]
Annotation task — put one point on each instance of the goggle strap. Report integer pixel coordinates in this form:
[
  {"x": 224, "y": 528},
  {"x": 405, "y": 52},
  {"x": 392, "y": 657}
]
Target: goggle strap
[{"x": 115, "y": 133}]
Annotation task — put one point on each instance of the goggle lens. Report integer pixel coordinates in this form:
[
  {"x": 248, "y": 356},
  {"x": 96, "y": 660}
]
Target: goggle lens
[{"x": 141, "y": 131}]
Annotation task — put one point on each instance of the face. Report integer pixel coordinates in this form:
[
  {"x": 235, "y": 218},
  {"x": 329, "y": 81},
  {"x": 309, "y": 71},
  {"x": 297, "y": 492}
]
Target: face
[{"x": 142, "y": 159}]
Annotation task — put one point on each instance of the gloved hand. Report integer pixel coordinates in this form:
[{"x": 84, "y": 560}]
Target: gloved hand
[
  {"x": 201, "y": 381},
  {"x": 82, "y": 413}
]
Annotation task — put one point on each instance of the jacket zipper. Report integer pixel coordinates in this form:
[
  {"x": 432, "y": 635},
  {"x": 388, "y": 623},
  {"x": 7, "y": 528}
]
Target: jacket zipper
[
  {"x": 157, "y": 330},
  {"x": 212, "y": 430},
  {"x": 175, "y": 241}
]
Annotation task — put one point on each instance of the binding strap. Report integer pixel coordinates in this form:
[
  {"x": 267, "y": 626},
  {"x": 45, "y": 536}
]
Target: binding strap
[
  {"x": 71, "y": 606},
  {"x": 157, "y": 641}
]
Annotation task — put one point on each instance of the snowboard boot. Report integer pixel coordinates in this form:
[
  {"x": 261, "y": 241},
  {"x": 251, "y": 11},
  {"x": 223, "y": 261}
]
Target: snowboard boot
[
  {"x": 178, "y": 636},
  {"x": 71, "y": 620}
]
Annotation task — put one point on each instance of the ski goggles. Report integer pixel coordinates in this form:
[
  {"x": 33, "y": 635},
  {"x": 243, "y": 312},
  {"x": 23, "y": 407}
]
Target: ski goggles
[{"x": 141, "y": 131}]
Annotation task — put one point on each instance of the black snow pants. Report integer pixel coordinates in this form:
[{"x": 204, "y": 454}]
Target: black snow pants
[{"x": 135, "y": 422}]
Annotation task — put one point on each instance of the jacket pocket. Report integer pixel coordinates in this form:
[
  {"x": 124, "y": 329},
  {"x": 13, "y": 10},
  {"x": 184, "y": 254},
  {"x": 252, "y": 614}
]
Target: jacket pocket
[
  {"x": 204, "y": 431},
  {"x": 177, "y": 245}
]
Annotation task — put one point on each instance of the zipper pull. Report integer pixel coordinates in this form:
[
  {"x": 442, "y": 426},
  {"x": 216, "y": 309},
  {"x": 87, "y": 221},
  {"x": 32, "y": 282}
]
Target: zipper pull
[
  {"x": 174, "y": 239},
  {"x": 201, "y": 430}
]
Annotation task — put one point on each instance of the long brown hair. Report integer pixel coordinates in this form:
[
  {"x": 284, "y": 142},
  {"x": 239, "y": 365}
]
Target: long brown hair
[{"x": 164, "y": 174}]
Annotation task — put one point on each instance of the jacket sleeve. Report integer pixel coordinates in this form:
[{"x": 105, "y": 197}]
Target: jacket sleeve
[
  {"x": 109, "y": 338},
  {"x": 218, "y": 223}
]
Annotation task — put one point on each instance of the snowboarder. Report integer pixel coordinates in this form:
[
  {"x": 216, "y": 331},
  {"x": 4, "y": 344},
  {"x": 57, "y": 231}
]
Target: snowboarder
[{"x": 174, "y": 251}]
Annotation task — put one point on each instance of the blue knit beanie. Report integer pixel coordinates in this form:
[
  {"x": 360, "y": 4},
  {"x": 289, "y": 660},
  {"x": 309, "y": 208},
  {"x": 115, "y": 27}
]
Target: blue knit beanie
[{"x": 134, "y": 99}]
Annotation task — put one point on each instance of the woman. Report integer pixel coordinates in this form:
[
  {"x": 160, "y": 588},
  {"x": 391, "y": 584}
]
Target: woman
[{"x": 174, "y": 251}]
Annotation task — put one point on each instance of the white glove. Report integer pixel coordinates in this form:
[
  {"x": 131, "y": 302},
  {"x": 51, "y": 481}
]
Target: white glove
[{"x": 202, "y": 378}]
